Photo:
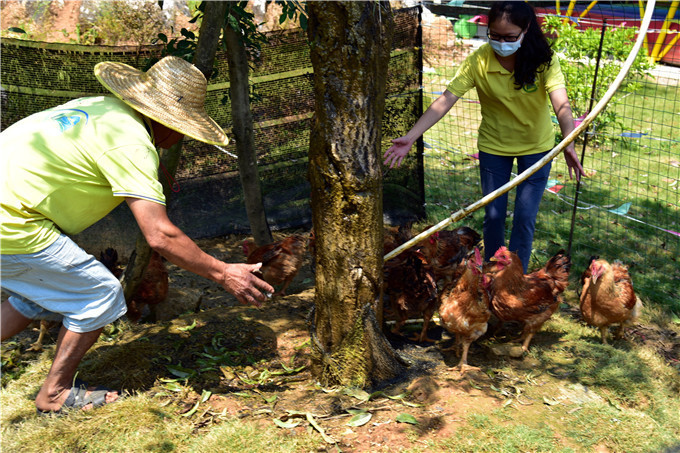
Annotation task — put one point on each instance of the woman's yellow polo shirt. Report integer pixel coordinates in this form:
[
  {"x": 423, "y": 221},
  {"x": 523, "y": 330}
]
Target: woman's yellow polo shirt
[{"x": 514, "y": 122}]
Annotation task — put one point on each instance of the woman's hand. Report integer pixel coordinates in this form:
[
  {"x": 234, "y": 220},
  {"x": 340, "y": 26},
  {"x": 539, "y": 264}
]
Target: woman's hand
[
  {"x": 573, "y": 162},
  {"x": 395, "y": 154}
]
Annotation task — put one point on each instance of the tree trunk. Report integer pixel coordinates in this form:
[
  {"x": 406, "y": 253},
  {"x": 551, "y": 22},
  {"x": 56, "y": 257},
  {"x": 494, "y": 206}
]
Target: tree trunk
[
  {"x": 243, "y": 134},
  {"x": 208, "y": 42},
  {"x": 350, "y": 50}
]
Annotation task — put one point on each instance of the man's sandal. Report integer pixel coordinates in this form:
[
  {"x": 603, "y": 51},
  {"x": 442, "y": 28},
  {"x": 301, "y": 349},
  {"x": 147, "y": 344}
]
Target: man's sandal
[{"x": 79, "y": 397}]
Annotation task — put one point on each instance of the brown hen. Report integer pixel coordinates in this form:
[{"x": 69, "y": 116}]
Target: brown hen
[
  {"x": 281, "y": 260},
  {"x": 464, "y": 308},
  {"x": 152, "y": 290},
  {"x": 412, "y": 290},
  {"x": 530, "y": 299},
  {"x": 446, "y": 249},
  {"x": 608, "y": 297}
]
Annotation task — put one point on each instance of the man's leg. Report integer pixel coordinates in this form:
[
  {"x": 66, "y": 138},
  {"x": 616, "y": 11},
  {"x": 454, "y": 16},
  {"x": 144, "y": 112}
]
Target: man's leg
[
  {"x": 71, "y": 347},
  {"x": 11, "y": 321}
]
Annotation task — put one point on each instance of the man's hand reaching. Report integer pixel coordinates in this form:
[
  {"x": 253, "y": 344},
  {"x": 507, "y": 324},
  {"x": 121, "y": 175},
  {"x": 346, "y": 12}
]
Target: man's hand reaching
[{"x": 240, "y": 280}]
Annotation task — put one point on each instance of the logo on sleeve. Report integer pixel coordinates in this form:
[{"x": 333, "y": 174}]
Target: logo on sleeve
[{"x": 66, "y": 119}]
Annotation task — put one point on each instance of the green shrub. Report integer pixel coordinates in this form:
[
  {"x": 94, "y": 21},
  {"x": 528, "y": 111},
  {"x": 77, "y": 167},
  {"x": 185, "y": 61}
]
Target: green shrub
[{"x": 578, "y": 50}]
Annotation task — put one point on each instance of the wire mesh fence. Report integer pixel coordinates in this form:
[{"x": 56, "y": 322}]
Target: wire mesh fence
[
  {"x": 210, "y": 202},
  {"x": 628, "y": 208}
]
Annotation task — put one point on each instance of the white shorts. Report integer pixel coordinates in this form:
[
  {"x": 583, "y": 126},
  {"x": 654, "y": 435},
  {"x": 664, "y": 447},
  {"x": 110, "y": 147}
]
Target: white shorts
[{"x": 62, "y": 281}]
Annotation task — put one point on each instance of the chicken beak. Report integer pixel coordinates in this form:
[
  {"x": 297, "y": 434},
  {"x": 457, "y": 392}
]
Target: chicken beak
[{"x": 493, "y": 258}]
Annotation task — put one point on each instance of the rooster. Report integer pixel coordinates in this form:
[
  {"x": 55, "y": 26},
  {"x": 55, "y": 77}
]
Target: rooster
[
  {"x": 152, "y": 290},
  {"x": 464, "y": 308},
  {"x": 412, "y": 290},
  {"x": 531, "y": 298},
  {"x": 445, "y": 251},
  {"x": 281, "y": 260},
  {"x": 608, "y": 297}
]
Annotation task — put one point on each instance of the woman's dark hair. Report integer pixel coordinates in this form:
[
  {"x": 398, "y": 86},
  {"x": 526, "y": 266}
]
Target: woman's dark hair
[{"x": 535, "y": 54}]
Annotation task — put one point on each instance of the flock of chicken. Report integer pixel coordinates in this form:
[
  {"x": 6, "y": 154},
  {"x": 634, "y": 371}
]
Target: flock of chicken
[{"x": 444, "y": 273}]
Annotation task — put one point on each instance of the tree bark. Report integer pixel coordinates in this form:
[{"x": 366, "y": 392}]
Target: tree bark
[
  {"x": 350, "y": 49},
  {"x": 209, "y": 36},
  {"x": 243, "y": 134}
]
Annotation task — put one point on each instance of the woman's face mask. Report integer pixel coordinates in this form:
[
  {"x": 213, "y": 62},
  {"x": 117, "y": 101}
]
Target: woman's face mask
[{"x": 505, "y": 49}]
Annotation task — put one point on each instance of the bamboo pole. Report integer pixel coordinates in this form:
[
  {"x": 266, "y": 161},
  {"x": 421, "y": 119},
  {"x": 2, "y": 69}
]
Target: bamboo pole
[{"x": 548, "y": 157}]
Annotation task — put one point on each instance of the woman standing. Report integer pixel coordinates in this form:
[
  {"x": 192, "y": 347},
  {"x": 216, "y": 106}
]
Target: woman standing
[{"x": 517, "y": 77}]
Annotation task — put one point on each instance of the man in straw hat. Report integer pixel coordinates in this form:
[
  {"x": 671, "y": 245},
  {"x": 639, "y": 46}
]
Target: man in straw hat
[{"x": 67, "y": 167}]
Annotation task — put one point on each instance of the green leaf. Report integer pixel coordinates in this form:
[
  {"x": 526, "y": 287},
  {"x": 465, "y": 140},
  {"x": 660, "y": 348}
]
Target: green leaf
[
  {"x": 183, "y": 45},
  {"x": 16, "y": 30},
  {"x": 188, "y": 34},
  {"x": 316, "y": 426},
  {"x": 407, "y": 418},
  {"x": 173, "y": 386},
  {"x": 287, "y": 424},
  {"x": 180, "y": 372},
  {"x": 243, "y": 394},
  {"x": 401, "y": 396},
  {"x": 360, "y": 419},
  {"x": 192, "y": 411},
  {"x": 270, "y": 399},
  {"x": 356, "y": 411},
  {"x": 473, "y": 385},
  {"x": 551, "y": 401},
  {"x": 162, "y": 37},
  {"x": 357, "y": 393},
  {"x": 205, "y": 395},
  {"x": 193, "y": 325},
  {"x": 410, "y": 404}
]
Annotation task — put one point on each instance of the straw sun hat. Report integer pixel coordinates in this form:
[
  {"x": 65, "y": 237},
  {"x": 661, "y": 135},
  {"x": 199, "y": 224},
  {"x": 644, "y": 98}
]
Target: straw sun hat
[{"x": 171, "y": 92}]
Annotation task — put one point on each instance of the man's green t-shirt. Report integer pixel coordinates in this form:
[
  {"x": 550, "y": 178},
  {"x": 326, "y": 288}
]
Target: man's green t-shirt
[{"x": 65, "y": 168}]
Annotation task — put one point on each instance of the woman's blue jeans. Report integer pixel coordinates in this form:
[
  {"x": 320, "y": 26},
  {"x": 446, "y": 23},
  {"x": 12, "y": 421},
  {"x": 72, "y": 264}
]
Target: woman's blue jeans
[{"x": 495, "y": 172}]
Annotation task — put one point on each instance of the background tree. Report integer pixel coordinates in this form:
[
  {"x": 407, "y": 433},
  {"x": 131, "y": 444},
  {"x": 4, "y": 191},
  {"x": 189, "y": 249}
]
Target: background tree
[
  {"x": 240, "y": 33},
  {"x": 350, "y": 49}
]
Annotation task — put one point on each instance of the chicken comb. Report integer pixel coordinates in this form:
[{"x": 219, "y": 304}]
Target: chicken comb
[
  {"x": 478, "y": 257},
  {"x": 501, "y": 250}
]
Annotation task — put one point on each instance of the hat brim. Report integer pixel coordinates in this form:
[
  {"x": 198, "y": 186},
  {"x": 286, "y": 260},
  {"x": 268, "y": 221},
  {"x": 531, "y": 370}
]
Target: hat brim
[{"x": 128, "y": 84}]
